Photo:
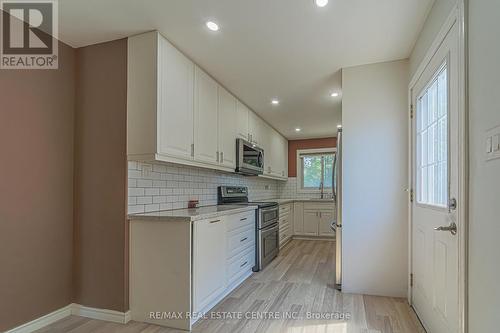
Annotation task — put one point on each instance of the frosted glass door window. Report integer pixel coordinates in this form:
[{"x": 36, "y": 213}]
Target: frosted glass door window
[{"x": 432, "y": 142}]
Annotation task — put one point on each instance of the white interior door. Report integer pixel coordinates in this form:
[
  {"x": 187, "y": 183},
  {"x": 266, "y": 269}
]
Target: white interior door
[{"x": 435, "y": 182}]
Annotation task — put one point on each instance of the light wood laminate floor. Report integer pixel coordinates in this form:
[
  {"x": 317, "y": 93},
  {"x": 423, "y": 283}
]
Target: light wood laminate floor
[{"x": 299, "y": 282}]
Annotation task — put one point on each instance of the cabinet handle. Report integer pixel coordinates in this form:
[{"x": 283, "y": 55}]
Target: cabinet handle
[
  {"x": 243, "y": 264},
  {"x": 243, "y": 219},
  {"x": 192, "y": 149},
  {"x": 217, "y": 154},
  {"x": 244, "y": 239},
  {"x": 215, "y": 221},
  {"x": 222, "y": 157}
]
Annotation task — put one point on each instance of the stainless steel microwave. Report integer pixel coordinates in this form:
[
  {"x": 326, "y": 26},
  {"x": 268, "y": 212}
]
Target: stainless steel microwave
[{"x": 249, "y": 158}]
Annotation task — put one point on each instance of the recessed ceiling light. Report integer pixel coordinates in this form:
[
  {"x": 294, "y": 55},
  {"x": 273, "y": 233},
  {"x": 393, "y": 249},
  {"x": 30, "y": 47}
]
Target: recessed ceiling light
[
  {"x": 334, "y": 94},
  {"x": 321, "y": 3},
  {"x": 275, "y": 101},
  {"x": 212, "y": 26},
  {"x": 297, "y": 129}
]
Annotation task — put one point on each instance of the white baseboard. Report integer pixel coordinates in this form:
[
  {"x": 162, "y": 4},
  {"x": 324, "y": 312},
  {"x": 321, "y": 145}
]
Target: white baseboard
[
  {"x": 100, "y": 314},
  {"x": 75, "y": 310},
  {"x": 43, "y": 321}
]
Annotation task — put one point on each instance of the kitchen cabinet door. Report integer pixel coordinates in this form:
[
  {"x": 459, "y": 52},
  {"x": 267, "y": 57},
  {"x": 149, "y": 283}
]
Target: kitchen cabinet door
[
  {"x": 298, "y": 218},
  {"x": 256, "y": 128},
  {"x": 209, "y": 262},
  {"x": 242, "y": 120},
  {"x": 311, "y": 222},
  {"x": 227, "y": 131},
  {"x": 175, "y": 101},
  {"x": 326, "y": 218},
  {"x": 284, "y": 157},
  {"x": 206, "y": 122}
]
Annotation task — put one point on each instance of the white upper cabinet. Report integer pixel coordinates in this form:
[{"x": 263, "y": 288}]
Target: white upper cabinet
[
  {"x": 242, "y": 120},
  {"x": 256, "y": 129},
  {"x": 177, "y": 113},
  {"x": 275, "y": 153},
  {"x": 159, "y": 99},
  {"x": 228, "y": 117},
  {"x": 205, "y": 118},
  {"x": 175, "y": 101}
]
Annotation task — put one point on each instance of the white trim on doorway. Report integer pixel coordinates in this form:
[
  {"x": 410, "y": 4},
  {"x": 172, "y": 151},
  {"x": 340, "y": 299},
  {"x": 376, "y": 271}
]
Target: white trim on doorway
[{"x": 458, "y": 15}]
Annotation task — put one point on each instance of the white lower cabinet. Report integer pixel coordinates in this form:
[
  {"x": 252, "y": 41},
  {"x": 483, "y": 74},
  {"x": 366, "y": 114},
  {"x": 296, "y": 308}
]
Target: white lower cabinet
[
  {"x": 285, "y": 224},
  {"x": 209, "y": 264},
  {"x": 313, "y": 219},
  {"x": 325, "y": 220},
  {"x": 240, "y": 254},
  {"x": 186, "y": 267},
  {"x": 223, "y": 256}
]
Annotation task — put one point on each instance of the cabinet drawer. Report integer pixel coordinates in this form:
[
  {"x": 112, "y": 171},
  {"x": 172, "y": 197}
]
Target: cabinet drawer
[
  {"x": 241, "y": 264},
  {"x": 284, "y": 209},
  {"x": 285, "y": 234},
  {"x": 284, "y": 223},
  {"x": 240, "y": 220},
  {"x": 319, "y": 205},
  {"x": 240, "y": 239}
]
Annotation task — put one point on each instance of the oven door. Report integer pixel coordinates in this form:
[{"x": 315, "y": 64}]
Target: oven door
[
  {"x": 269, "y": 244},
  {"x": 268, "y": 216},
  {"x": 250, "y": 158}
]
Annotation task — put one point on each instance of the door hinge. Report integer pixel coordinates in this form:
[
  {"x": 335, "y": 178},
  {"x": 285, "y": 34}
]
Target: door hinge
[
  {"x": 411, "y": 111},
  {"x": 411, "y": 280},
  {"x": 412, "y": 195}
]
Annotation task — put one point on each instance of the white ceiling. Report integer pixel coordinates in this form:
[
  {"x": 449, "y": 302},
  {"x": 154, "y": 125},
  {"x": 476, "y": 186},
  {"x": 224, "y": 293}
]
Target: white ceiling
[{"x": 289, "y": 49}]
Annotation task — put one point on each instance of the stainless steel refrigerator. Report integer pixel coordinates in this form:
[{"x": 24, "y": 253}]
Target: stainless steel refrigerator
[{"x": 337, "y": 196}]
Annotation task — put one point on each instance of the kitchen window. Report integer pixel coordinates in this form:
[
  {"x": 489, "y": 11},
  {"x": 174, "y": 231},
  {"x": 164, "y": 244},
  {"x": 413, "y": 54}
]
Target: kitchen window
[{"x": 315, "y": 167}]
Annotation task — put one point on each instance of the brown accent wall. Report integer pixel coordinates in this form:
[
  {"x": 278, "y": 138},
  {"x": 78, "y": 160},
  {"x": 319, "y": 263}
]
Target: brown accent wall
[
  {"x": 36, "y": 190},
  {"x": 294, "y": 145},
  {"x": 101, "y": 176}
]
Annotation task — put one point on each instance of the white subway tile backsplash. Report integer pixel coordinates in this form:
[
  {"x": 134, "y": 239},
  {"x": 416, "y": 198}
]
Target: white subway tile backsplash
[
  {"x": 144, "y": 200},
  {"x": 155, "y": 186},
  {"x": 135, "y": 192},
  {"x": 152, "y": 191},
  {"x": 167, "y": 186}
]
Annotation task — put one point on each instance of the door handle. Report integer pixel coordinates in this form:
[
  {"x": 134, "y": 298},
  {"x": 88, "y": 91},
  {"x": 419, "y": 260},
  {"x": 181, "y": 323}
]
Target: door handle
[{"x": 451, "y": 228}]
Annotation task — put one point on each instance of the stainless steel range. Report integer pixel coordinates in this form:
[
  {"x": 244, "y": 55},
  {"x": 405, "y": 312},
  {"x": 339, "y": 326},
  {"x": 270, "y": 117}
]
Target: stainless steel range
[{"x": 266, "y": 223}]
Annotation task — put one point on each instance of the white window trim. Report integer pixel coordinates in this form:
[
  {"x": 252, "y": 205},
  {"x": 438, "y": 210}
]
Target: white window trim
[{"x": 299, "y": 169}]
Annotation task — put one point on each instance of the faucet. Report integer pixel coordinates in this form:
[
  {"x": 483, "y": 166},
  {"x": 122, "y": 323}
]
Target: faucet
[{"x": 322, "y": 188}]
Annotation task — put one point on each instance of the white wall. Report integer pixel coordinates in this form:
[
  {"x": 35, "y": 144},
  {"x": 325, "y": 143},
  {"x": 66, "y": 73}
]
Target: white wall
[
  {"x": 437, "y": 16},
  {"x": 484, "y": 109},
  {"x": 374, "y": 118}
]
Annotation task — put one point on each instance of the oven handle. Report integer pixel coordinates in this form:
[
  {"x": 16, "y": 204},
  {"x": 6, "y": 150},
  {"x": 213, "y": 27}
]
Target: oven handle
[{"x": 270, "y": 228}]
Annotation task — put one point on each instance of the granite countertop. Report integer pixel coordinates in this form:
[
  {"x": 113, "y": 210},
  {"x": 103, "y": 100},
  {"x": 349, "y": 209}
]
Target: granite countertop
[{"x": 192, "y": 214}]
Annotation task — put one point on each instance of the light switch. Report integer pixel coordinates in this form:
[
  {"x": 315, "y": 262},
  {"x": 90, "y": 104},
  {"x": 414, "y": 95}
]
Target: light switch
[
  {"x": 492, "y": 144},
  {"x": 489, "y": 145},
  {"x": 496, "y": 143}
]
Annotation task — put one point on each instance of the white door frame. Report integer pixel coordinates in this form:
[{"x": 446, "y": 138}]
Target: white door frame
[{"x": 458, "y": 15}]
